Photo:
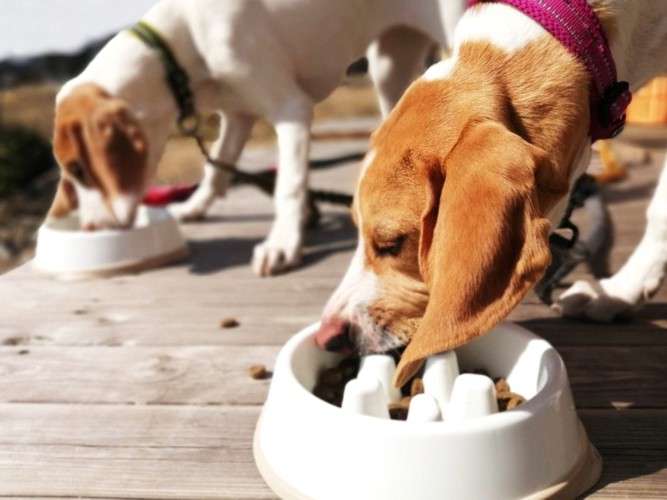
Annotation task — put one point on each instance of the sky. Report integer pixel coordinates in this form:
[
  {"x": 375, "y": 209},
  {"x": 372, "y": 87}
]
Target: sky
[{"x": 34, "y": 27}]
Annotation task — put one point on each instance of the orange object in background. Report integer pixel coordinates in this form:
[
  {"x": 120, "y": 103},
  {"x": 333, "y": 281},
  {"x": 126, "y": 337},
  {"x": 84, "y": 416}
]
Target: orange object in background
[{"x": 649, "y": 104}]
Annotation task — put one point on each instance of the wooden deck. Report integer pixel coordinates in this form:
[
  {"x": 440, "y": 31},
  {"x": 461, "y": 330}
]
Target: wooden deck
[{"x": 129, "y": 388}]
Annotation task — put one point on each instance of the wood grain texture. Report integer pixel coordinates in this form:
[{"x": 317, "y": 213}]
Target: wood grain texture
[
  {"x": 129, "y": 388},
  {"x": 136, "y": 375},
  {"x": 117, "y": 451}
]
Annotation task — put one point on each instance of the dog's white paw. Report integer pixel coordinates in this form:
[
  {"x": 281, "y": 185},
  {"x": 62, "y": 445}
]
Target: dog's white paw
[
  {"x": 187, "y": 211},
  {"x": 602, "y": 304},
  {"x": 274, "y": 257}
]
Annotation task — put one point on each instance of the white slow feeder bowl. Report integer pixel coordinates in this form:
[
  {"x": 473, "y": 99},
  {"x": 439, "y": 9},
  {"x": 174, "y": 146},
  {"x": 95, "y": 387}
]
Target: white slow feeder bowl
[
  {"x": 66, "y": 251},
  {"x": 306, "y": 448}
]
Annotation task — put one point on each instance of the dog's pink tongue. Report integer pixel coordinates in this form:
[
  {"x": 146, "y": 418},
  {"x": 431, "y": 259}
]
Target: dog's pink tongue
[{"x": 333, "y": 335}]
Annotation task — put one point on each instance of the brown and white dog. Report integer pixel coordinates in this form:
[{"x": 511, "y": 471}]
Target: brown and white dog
[
  {"x": 245, "y": 60},
  {"x": 468, "y": 176}
]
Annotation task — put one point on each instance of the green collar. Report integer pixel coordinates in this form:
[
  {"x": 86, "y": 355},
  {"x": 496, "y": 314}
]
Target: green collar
[{"x": 176, "y": 77}]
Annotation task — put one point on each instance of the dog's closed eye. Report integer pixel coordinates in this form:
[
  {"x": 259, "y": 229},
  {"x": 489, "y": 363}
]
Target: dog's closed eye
[
  {"x": 388, "y": 247},
  {"x": 76, "y": 169}
]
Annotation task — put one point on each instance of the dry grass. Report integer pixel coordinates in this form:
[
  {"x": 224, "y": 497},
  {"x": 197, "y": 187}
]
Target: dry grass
[{"x": 33, "y": 106}]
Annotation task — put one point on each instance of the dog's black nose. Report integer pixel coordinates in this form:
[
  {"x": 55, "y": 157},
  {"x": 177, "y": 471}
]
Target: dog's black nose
[{"x": 335, "y": 335}]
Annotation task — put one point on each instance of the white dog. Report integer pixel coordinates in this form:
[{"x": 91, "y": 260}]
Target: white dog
[{"x": 245, "y": 59}]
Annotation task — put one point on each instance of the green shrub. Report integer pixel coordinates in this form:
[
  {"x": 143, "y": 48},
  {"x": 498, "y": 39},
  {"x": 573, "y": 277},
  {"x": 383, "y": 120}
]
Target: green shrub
[{"x": 23, "y": 156}]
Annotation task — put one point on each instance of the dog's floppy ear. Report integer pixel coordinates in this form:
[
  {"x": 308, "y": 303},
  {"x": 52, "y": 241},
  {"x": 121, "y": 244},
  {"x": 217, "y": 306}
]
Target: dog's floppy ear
[
  {"x": 100, "y": 133},
  {"x": 116, "y": 138},
  {"x": 65, "y": 199},
  {"x": 484, "y": 242}
]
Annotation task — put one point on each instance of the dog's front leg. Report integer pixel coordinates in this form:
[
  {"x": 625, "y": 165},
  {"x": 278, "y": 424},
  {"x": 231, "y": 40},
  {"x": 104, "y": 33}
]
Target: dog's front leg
[
  {"x": 637, "y": 281},
  {"x": 282, "y": 248},
  {"x": 234, "y": 133}
]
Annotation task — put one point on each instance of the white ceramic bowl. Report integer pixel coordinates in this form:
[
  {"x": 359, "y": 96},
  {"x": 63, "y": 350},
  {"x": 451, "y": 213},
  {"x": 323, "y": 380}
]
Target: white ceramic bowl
[
  {"x": 64, "y": 250},
  {"x": 306, "y": 448}
]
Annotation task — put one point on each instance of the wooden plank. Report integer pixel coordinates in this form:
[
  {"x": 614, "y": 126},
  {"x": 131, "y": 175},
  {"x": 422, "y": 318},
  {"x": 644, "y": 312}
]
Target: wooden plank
[
  {"x": 610, "y": 376},
  {"x": 648, "y": 328},
  {"x": 174, "y": 307},
  {"x": 116, "y": 328},
  {"x": 632, "y": 475},
  {"x": 105, "y": 451},
  {"x": 136, "y": 375},
  {"x": 633, "y": 446},
  {"x": 130, "y": 472},
  {"x": 140, "y": 426},
  {"x": 627, "y": 429}
]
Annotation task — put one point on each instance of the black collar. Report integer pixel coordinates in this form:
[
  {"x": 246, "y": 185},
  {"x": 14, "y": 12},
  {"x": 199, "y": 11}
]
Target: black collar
[{"x": 176, "y": 77}]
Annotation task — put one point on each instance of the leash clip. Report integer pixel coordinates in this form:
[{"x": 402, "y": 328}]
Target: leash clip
[
  {"x": 188, "y": 125},
  {"x": 558, "y": 240}
]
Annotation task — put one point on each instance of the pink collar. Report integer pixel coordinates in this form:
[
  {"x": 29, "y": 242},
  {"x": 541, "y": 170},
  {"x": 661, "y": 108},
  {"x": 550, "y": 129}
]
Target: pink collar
[{"x": 574, "y": 24}]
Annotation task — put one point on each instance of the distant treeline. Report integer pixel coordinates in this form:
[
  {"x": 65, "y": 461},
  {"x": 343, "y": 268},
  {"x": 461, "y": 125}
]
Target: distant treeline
[{"x": 47, "y": 67}]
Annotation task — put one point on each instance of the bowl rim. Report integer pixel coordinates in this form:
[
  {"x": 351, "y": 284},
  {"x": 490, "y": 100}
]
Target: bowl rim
[
  {"x": 156, "y": 217},
  {"x": 161, "y": 243},
  {"x": 543, "y": 398}
]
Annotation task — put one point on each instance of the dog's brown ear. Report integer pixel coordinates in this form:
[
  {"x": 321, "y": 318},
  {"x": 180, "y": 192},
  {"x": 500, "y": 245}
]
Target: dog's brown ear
[
  {"x": 101, "y": 134},
  {"x": 116, "y": 138},
  {"x": 484, "y": 242},
  {"x": 65, "y": 199}
]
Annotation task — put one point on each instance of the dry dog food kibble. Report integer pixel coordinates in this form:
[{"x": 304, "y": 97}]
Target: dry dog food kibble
[
  {"x": 258, "y": 372},
  {"x": 331, "y": 377},
  {"x": 331, "y": 385},
  {"x": 501, "y": 385},
  {"x": 398, "y": 411},
  {"x": 508, "y": 400},
  {"x": 331, "y": 382},
  {"x": 229, "y": 323}
]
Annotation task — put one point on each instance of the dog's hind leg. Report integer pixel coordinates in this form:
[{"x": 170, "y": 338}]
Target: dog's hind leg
[
  {"x": 234, "y": 133},
  {"x": 394, "y": 60},
  {"x": 637, "y": 281}
]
